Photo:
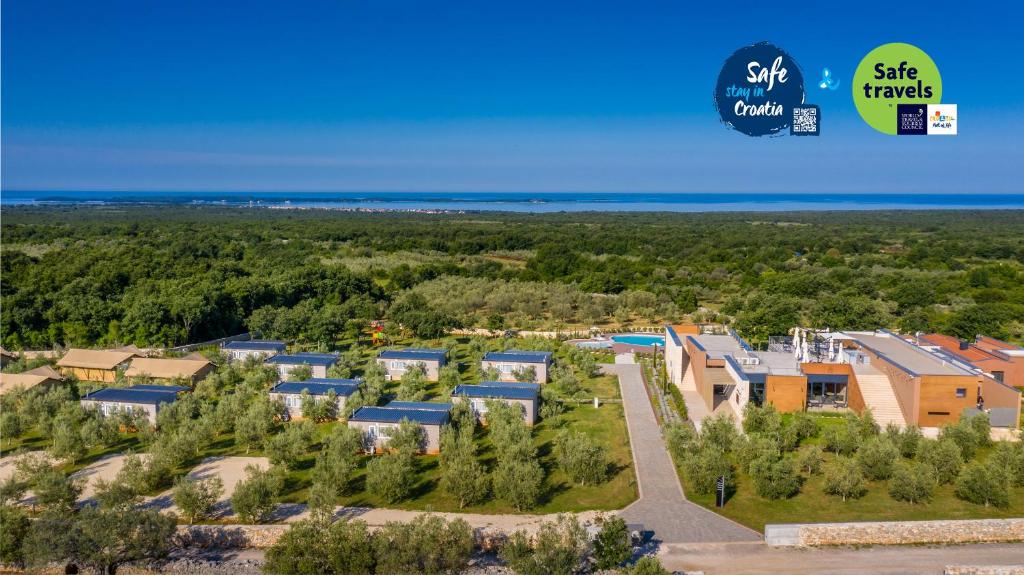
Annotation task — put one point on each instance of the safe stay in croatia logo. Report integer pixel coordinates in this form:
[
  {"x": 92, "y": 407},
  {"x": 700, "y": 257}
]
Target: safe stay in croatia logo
[{"x": 760, "y": 92}]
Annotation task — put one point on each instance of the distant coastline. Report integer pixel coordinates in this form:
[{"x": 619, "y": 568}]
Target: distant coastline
[{"x": 529, "y": 202}]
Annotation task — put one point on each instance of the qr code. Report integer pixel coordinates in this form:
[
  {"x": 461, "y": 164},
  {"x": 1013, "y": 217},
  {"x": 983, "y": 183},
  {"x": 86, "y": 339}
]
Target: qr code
[{"x": 805, "y": 121}]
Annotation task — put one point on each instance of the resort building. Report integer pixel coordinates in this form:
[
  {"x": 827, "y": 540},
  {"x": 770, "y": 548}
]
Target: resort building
[
  {"x": 148, "y": 399},
  {"x": 169, "y": 370},
  {"x": 397, "y": 361},
  {"x": 514, "y": 362},
  {"x": 525, "y": 395},
  {"x": 94, "y": 364},
  {"x": 378, "y": 423},
  {"x": 900, "y": 381},
  {"x": 318, "y": 363},
  {"x": 290, "y": 392},
  {"x": 1002, "y": 361},
  {"x": 243, "y": 350},
  {"x": 43, "y": 376}
]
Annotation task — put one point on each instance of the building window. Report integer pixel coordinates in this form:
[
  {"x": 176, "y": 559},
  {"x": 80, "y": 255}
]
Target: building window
[
  {"x": 961, "y": 392},
  {"x": 998, "y": 376}
]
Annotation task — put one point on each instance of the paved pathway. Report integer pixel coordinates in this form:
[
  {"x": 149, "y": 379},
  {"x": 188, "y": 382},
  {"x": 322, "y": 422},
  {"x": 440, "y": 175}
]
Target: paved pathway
[{"x": 662, "y": 507}]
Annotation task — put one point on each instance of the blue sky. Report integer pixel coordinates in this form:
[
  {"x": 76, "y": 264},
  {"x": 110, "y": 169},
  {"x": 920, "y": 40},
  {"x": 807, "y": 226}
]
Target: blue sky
[{"x": 480, "y": 96}]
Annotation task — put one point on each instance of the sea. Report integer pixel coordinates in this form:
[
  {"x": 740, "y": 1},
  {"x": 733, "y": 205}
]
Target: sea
[{"x": 530, "y": 202}]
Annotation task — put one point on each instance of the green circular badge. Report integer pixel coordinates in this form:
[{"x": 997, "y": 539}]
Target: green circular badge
[{"x": 890, "y": 75}]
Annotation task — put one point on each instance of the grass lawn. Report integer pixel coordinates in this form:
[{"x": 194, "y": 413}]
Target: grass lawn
[
  {"x": 606, "y": 424},
  {"x": 813, "y": 505}
]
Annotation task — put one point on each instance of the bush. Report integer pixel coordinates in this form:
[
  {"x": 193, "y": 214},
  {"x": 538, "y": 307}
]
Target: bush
[
  {"x": 876, "y": 458},
  {"x": 462, "y": 476},
  {"x": 981, "y": 426},
  {"x": 255, "y": 497},
  {"x": 905, "y": 440},
  {"x": 15, "y": 525},
  {"x": 984, "y": 485},
  {"x": 842, "y": 439},
  {"x": 519, "y": 483},
  {"x": 704, "y": 467},
  {"x": 943, "y": 456},
  {"x": 559, "y": 549},
  {"x": 811, "y": 460},
  {"x": 427, "y": 544},
  {"x": 963, "y": 434},
  {"x": 197, "y": 498},
  {"x": 581, "y": 458},
  {"x": 761, "y": 419},
  {"x": 749, "y": 448},
  {"x": 913, "y": 483},
  {"x": 681, "y": 439},
  {"x": 391, "y": 477},
  {"x": 647, "y": 565},
  {"x": 774, "y": 478},
  {"x": 315, "y": 546},
  {"x": 1009, "y": 456},
  {"x": 843, "y": 477},
  {"x": 720, "y": 431},
  {"x": 612, "y": 546},
  {"x": 287, "y": 447},
  {"x": 805, "y": 425}
]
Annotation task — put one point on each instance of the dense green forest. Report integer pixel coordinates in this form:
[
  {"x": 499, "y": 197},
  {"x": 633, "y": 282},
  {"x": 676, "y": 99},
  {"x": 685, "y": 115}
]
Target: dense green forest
[{"x": 166, "y": 275}]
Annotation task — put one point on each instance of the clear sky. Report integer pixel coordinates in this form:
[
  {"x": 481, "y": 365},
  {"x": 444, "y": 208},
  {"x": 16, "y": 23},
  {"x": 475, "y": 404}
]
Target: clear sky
[{"x": 482, "y": 96}]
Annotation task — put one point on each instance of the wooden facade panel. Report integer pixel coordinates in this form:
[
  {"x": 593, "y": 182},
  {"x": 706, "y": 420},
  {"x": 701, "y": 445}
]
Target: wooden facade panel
[
  {"x": 787, "y": 393},
  {"x": 939, "y": 402}
]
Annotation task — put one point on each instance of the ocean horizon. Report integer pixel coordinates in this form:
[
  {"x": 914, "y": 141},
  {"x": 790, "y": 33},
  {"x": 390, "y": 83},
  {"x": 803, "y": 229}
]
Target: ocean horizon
[{"x": 530, "y": 201}]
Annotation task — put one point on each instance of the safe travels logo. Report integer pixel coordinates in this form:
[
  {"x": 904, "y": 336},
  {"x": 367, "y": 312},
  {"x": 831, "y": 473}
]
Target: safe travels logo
[
  {"x": 897, "y": 89},
  {"x": 760, "y": 92}
]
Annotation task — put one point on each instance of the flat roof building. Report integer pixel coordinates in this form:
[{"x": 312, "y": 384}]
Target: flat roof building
[
  {"x": 378, "y": 423},
  {"x": 242, "y": 350},
  {"x": 318, "y": 363},
  {"x": 290, "y": 392},
  {"x": 524, "y": 395},
  {"x": 513, "y": 362},
  {"x": 397, "y": 361},
  {"x": 147, "y": 399}
]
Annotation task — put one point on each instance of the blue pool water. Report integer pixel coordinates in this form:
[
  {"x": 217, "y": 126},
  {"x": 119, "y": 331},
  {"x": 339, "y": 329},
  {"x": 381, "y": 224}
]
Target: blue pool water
[{"x": 639, "y": 339}]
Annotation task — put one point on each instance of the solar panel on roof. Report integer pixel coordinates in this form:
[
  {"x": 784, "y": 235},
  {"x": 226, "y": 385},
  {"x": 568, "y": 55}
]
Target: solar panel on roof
[{"x": 393, "y": 415}]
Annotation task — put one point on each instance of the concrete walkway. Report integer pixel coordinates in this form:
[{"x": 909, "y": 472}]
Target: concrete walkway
[{"x": 662, "y": 507}]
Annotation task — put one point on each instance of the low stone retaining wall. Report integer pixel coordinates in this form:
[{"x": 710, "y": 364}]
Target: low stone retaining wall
[
  {"x": 228, "y": 536},
  {"x": 895, "y": 532},
  {"x": 983, "y": 570}
]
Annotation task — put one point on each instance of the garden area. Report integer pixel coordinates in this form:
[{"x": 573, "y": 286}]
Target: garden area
[
  {"x": 576, "y": 458},
  {"x": 804, "y": 468}
]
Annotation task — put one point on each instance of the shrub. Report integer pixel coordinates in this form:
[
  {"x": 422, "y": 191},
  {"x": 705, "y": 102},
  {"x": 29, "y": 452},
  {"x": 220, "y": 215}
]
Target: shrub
[
  {"x": 906, "y": 440},
  {"x": 391, "y": 476},
  {"x": 197, "y": 498},
  {"x": 559, "y": 549},
  {"x": 413, "y": 385},
  {"x": 774, "y": 478},
  {"x": 287, "y": 447},
  {"x": 748, "y": 448},
  {"x": 943, "y": 456},
  {"x": 963, "y": 434},
  {"x": 805, "y": 425},
  {"x": 462, "y": 476},
  {"x": 647, "y": 565},
  {"x": 720, "y": 431},
  {"x": 680, "y": 438},
  {"x": 913, "y": 483},
  {"x": 428, "y": 544},
  {"x": 15, "y": 526},
  {"x": 842, "y": 439},
  {"x": 984, "y": 485},
  {"x": 704, "y": 467},
  {"x": 843, "y": 477},
  {"x": 761, "y": 419},
  {"x": 518, "y": 483},
  {"x": 255, "y": 496},
  {"x": 1009, "y": 456},
  {"x": 612, "y": 546},
  {"x": 581, "y": 458},
  {"x": 811, "y": 460},
  {"x": 876, "y": 458},
  {"x": 981, "y": 426}
]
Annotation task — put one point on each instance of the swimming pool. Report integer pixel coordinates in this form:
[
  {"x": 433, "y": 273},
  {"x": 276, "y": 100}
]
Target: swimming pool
[{"x": 639, "y": 339}]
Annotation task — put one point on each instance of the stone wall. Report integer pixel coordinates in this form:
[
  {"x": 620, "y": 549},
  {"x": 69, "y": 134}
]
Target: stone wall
[
  {"x": 984, "y": 570},
  {"x": 228, "y": 536},
  {"x": 896, "y": 532}
]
